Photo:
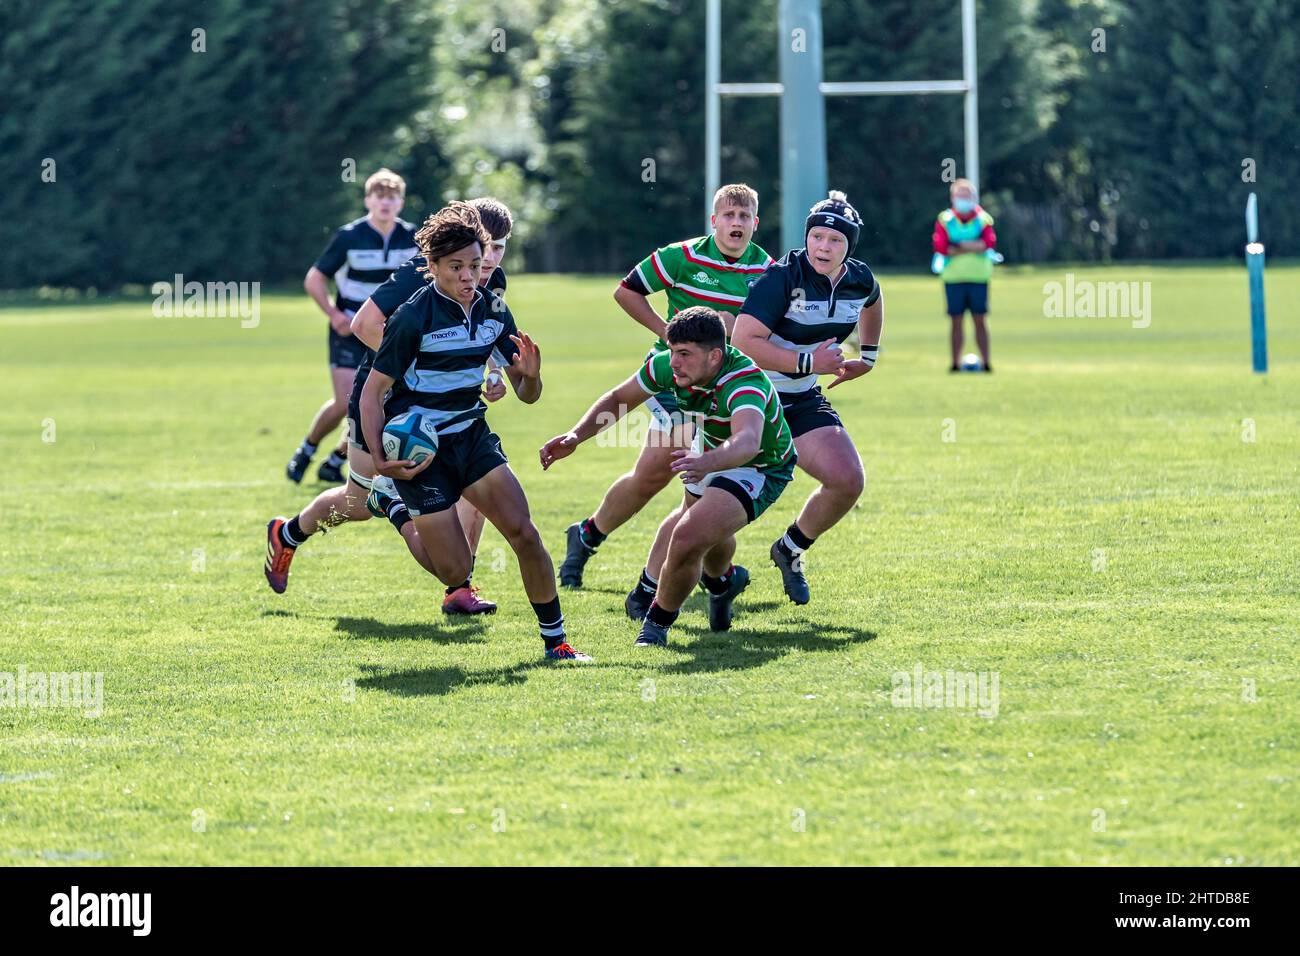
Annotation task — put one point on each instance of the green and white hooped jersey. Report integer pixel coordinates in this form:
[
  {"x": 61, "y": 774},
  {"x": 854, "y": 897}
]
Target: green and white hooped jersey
[
  {"x": 739, "y": 384},
  {"x": 695, "y": 272}
]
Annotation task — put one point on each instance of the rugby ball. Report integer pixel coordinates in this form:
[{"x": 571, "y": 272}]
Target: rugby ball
[
  {"x": 410, "y": 437},
  {"x": 970, "y": 362}
]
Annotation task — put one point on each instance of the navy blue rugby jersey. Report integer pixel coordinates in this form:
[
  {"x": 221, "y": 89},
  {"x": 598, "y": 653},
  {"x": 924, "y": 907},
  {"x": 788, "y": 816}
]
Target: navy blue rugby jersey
[
  {"x": 804, "y": 308},
  {"x": 360, "y": 260},
  {"x": 436, "y": 352}
]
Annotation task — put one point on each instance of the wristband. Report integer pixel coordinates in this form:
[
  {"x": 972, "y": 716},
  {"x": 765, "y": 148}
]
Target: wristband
[
  {"x": 869, "y": 354},
  {"x": 804, "y": 364}
]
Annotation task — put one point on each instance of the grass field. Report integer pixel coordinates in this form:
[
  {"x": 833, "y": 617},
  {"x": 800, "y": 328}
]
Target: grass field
[{"x": 1107, "y": 525}]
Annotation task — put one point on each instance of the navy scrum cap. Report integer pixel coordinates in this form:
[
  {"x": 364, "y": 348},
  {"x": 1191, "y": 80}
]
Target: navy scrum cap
[{"x": 835, "y": 213}]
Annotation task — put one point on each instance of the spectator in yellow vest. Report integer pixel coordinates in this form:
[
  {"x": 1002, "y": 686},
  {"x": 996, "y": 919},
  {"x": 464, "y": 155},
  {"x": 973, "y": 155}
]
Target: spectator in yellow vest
[{"x": 963, "y": 245}]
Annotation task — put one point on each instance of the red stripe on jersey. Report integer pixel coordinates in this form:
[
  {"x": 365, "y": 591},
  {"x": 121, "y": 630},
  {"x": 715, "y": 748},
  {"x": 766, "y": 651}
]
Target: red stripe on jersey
[
  {"x": 654, "y": 261},
  {"x": 708, "y": 298},
  {"x": 713, "y": 263}
]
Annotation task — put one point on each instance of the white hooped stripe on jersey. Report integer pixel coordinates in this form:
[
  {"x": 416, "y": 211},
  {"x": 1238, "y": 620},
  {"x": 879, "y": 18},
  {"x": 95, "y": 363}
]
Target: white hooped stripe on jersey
[
  {"x": 661, "y": 271},
  {"x": 719, "y": 297},
  {"x": 352, "y": 289},
  {"x": 751, "y": 390},
  {"x": 455, "y": 338},
  {"x": 740, "y": 371},
  {"x": 427, "y": 380},
  {"x": 701, "y": 260},
  {"x": 373, "y": 260}
]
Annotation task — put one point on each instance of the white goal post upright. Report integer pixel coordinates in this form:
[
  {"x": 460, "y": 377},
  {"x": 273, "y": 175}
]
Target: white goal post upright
[{"x": 803, "y": 176}]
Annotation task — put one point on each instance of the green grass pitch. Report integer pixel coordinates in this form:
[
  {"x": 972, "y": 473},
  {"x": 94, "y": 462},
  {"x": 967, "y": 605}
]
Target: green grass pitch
[{"x": 1107, "y": 525}]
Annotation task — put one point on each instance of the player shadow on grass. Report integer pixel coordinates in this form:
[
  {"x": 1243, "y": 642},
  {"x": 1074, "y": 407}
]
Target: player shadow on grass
[
  {"x": 440, "y": 681},
  {"x": 464, "y": 631},
  {"x": 742, "y": 648}
]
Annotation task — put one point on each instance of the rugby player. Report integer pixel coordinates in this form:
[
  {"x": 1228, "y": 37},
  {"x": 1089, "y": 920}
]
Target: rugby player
[
  {"x": 792, "y": 323},
  {"x": 431, "y": 359},
  {"x": 714, "y": 270},
  {"x": 339, "y": 505},
  {"x": 742, "y": 458},
  {"x": 362, "y": 254}
]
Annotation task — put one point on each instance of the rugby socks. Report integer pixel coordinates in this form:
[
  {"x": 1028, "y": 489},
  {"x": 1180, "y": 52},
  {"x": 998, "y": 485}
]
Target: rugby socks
[
  {"x": 551, "y": 621},
  {"x": 794, "y": 542},
  {"x": 590, "y": 534},
  {"x": 396, "y": 511},
  {"x": 718, "y": 585},
  {"x": 291, "y": 533},
  {"x": 659, "y": 616},
  {"x": 647, "y": 585},
  {"x": 335, "y": 460},
  {"x": 307, "y": 448}
]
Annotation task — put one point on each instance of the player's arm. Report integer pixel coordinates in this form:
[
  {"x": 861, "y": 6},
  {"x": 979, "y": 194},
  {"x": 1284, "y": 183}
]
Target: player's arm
[
  {"x": 525, "y": 368},
  {"x": 753, "y": 338},
  {"x": 317, "y": 285},
  {"x": 767, "y": 303},
  {"x": 605, "y": 411},
  {"x": 744, "y": 443},
  {"x": 317, "y": 282},
  {"x": 397, "y": 350},
  {"x": 368, "y": 324},
  {"x": 518, "y": 356},
  {"x": 871, "y": 321},
  {"x": 652, "y": 274},
  {"x": 637, "y": 305}
]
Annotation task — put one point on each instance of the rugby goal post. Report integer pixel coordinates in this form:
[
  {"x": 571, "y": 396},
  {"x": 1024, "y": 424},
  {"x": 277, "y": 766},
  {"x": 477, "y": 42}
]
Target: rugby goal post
[{"x": 803, "y": 110}]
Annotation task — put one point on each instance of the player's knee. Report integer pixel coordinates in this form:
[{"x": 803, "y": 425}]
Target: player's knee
[
  {"x": 521, "y": 534},
  {"x": 651, "y": 477},
  {"x": 690, "y": 538},
  {"x": 849, "y": 482}
]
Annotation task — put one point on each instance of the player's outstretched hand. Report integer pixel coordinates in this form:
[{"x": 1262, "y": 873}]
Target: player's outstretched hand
[
  {"x": 528, "y": 360},
  {"x": 687, "y": 464},
  {"x": 561, "y": 446},
  {"x": 404, "y": 469},
  {"x": 856, "y": 368},
  {"x": 827, "y": 357}
]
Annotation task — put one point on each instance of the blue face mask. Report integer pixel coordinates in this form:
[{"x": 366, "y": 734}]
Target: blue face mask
[{"x": 963, "y": 206}]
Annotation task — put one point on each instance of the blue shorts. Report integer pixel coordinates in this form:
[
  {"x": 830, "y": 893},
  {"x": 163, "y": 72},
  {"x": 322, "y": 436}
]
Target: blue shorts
[
  {"x": 346, "y": 351},
  {"x": 967, "y": 295}
]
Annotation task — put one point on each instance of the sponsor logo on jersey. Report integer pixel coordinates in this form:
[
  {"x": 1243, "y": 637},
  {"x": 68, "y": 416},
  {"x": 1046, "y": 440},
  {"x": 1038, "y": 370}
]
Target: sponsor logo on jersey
[{"x": 703, "y": 278}]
